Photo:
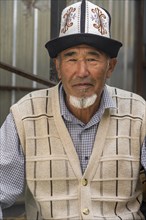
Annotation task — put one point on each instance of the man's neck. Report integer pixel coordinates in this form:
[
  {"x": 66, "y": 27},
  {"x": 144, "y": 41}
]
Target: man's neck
[{"x": 84, "y": 114}]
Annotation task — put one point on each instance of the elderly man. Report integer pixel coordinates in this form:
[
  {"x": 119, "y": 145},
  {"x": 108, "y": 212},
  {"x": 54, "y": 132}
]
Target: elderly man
[{"x": 76, "y": 147}]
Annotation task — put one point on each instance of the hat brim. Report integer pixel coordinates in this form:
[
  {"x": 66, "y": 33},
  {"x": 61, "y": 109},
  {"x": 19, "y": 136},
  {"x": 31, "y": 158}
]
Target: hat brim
[{"x": 107, "y": 45}]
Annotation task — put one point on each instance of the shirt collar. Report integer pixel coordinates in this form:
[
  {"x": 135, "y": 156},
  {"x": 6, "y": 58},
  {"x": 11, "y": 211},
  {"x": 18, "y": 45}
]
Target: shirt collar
[{"x": 106, "y": 102}]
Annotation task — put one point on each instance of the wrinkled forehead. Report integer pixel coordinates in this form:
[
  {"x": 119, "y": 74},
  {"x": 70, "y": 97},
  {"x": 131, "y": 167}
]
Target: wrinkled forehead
[{"x": 83, "y": 48}]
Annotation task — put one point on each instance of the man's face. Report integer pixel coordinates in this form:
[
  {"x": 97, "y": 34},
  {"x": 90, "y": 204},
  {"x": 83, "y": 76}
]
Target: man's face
[{"x": 83, "y": 70}]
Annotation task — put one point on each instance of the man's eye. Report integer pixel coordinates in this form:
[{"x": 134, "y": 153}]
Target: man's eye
[
  {"x": 72, "y": 60},
  {"x": 91, "y": 60}
]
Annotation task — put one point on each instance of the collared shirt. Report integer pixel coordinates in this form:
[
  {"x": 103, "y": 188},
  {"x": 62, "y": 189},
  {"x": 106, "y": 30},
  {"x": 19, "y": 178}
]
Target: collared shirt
[
  {"x": 12, "y": 169},
  {"x": 83, "y": 135}
]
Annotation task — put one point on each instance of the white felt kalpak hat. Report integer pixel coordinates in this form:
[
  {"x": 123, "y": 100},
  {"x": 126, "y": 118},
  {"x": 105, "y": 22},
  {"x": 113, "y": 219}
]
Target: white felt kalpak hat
[{"x": 84, "y": 23}]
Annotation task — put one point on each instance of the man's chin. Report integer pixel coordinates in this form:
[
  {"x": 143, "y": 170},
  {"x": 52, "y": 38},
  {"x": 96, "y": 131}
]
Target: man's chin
[{"x": 82, "y": 102}]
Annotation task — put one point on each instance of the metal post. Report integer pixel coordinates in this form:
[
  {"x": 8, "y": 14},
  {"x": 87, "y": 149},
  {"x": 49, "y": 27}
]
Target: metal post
[
  {"x": 56, "y": 8},
  {"x": 139, "y": 41},
  {"x": 15, "y": 7}
]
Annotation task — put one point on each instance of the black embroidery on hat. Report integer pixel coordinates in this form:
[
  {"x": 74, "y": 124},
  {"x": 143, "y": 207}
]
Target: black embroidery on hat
[
  {"x": 68, "y": 19},
  {"x": 83, "y": 16},
  {"x": 100, "y": 20}
]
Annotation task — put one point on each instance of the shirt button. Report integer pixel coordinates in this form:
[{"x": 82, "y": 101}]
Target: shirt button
[
  {"x": 86, "y": 211},
  {"x": 84, "y": 182}
]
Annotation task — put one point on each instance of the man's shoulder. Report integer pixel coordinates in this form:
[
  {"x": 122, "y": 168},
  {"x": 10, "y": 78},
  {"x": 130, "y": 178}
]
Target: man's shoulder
[
  {"x": 36, "y": 102},
  {"x": 125, "y": 94},
  {"x": 36, "y": 95}
]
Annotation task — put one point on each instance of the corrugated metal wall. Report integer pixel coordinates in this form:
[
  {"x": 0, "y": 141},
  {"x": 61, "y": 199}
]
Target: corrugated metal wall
[{"x": 24, "y": 30}]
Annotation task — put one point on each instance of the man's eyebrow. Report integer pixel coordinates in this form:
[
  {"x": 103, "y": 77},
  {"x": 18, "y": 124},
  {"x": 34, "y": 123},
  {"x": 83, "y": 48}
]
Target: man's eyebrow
[
  {"x": 69, "y": 54},
  {"x": 95, "y": 53}
]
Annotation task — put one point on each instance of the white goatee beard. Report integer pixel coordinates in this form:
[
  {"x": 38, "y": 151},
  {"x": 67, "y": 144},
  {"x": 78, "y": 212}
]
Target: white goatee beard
[{"x": 84, "y": 102}]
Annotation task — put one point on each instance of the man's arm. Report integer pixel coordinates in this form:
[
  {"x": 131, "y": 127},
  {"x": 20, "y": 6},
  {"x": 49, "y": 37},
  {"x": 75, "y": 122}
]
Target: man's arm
[
  {"x": 143, "y": 156},
  {"x": 11, "y": 164}
]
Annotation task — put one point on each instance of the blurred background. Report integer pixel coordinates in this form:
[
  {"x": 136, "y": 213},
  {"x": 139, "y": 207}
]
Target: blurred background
[{"x": 25, "y": 27}]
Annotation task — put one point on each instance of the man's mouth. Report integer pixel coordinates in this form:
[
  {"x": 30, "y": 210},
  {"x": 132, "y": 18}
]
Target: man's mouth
[{"x": 82, "y": 85}]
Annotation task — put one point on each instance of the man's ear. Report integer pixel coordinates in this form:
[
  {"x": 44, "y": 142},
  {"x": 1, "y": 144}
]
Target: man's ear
[
  {"x": 111, "y": 66},
  {"x": 57, "y": 66}
]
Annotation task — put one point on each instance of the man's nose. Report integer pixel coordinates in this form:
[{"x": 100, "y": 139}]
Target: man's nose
[{"x": 82, "y": 68}]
